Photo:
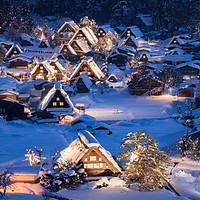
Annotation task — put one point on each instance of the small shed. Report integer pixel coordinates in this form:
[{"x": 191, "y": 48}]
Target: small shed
[
  {"x": 186, "y": 92},
  {"x": 82, "y": 84},
  {"x": 25, "y": 174}
]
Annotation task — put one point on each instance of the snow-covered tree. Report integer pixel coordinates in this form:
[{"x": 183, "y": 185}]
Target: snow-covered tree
[
  {"x": 4, "y": 181},
  {"x": 190, "y": 147},
  {"x": 144, "y": 162},
  {"x": 2, "y": 56},
  {"x": 85, "y": 21},
  {"x": 34, "y": 156}
]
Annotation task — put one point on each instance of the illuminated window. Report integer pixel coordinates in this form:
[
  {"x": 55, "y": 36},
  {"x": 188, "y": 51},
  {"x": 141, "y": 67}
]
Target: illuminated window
[
  {"x": 41, "y": 67},
  {"x": 41, "y": 71},
  {"x": 86, "y": 159},
  {"x": 100, "y": 159},
  {"x": 54, "y": 103},
  {"x": 57, "y": 98},
  {"x": 96, "y": 165},
  {"x": 144, "y": 56},
  {"x": 89, "y": 166},
  {"x": 101, "y": 165},
  {"x": 104, "y": 34},
  {"x": 128, "y": 31},
  {"x": 175, "y": 41},
  {"x": 99, "y": 34},
  {"x": 101, "y": 31},
  {"x": 128, "y": 34},
  {"x": 93, "y": 158},
  {"x": 15, "y": 51},
  {"x": 61, "y": 103}
]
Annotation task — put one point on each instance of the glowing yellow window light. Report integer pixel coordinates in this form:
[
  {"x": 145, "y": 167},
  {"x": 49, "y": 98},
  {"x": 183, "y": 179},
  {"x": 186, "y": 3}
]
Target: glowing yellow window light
[
  {"x": 61, "y": 103},
  {"x": 57, "y": 98},
  {"x": 54, "y": 103}
]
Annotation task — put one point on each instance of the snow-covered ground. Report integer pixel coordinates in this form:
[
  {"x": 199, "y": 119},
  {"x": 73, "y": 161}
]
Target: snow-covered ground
[{"x": 124, "y": 113}]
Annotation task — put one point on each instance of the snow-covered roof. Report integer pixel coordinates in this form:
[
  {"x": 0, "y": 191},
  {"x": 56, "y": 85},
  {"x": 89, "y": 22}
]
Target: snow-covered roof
[
  {"x": 14, "y": 45},
  {"x": 8, "y": 92},
  {"x": 136, "y": 31},
  {"x": 59, "y": 63},
  {"x": 26, "y": 37},
  {"x": 85, "y": 79},
  {"x": 101, "y": 124},
  {"x": 72, "y": 25},
  {"x": 21, "y": 56},
  {"x": 146, "y": 19},
  {"x": 107, "y": 28},
  {"x": 178, "y": 39},
  {"x": 46, "y": 65},
  {"x": 45, "y": 102},
  {"x": 80, "y": 146},
  {"x": 82, "y": 45},
  {"x": 31, "y": 170},
  {"x": 190, "y": 64},
  {"x": 89, "y": 34},
  {"x": 92, "y": 65},
  {"x": 177, "y": 51},
  {"x": 87, "y": 119},
  {"x": 117, "y": 73}
]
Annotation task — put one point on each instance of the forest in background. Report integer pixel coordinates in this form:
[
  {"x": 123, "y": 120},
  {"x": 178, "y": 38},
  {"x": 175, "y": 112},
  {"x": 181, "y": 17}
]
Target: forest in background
[{"x": 166, "y": 14}]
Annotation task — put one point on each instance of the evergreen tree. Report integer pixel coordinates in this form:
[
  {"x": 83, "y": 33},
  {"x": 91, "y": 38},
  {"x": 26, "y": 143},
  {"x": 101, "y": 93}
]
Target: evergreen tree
[
  {"x": 145, "y": 163},
  {"x": 26, "y": 21}
]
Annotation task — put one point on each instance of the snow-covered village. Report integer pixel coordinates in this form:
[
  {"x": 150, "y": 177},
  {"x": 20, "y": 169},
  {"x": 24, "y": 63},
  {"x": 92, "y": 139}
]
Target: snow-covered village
[{"x": 100, "y": 100}]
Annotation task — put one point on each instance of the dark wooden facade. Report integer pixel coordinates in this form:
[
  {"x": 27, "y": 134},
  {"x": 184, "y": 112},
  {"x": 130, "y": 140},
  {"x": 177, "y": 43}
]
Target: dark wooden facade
[
  {"x": 12, "y": 110},
  {"x": 80, "y": 86},
  {"x": 96, "y": 163},
  {"x": 143, "y": 58},
  {"x": 19, "y": 63},
  {"x": 100, "y": 33},
  {"x": 40, "y": 72},
  {"x": 129, "y": 42},
  {"x": 117, "y": 59},
  {"x": 59, "y": 75},
  {"x": 186, "y": 92},
  {"x": 147, "y": 85},
  {"x": 127, "y": 33},
  {"x": 84, "y": 69},
  {"x": 58, "y": 101},
  {"x": 43, "y": 44},
  {"x": 14, "y": 51},
  {"x": 187, "y": 72}
]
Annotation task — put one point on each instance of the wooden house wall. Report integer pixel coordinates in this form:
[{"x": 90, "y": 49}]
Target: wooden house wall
[
  {"x": 100, "y": 32},
  {"x": 13, "y": 52},
  {"x": 58, "y": 98},
  {"x": 19, "y": 63},
  {"x": 186, "y": 92},
  {"x": 80, "y": 34},
  {"x": 129, "y": 42},
  {"x": 40, "y": 72},
  {"x": 65, "y": 50},
  {"x": 95, "y": 163},
  {"x": 187, "y": 70},
  {"x": 12, "y": 110},
  {"x": 175, "y": 41},
  {"x": 42, "y": 45},
  {"x": 127, "y": 33},
  {"x": 10, "y": 96},
  {"x": 118, "y": 60},
  {"x": 143, "y": 58},
  {"x": 85, "y": 69},
  {"x": 80, "y": 86}
]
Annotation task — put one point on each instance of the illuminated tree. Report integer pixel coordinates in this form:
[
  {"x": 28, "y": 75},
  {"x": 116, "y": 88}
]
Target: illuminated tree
[{"x": 144, "y": 162}]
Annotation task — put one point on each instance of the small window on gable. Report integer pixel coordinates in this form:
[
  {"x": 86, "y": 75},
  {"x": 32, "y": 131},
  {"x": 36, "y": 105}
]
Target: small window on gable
[
  {"x": 100, "y": 159},
  {"x": 57, "y": 98},
  {"x": 86, "y": 159},
  {"x": 93, "y": 158},
  {"x": 54, "y": 103},
  {"x": 15, "y": 51},
  {"x": 41, "y": 67},
  {"x": 61, "y": 103}
]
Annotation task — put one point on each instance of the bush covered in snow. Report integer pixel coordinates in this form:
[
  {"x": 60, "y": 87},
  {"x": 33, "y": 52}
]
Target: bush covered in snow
[{"x": 53, "y": 181}]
